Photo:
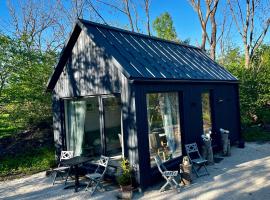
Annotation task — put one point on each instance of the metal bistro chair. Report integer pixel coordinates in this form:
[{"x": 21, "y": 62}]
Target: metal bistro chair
[
  {"x": 61, "y": 169},
  {"x": 98, "y": 175},
  {"x": 167, "y": 175},
  {"x": 196, "y": 159}
]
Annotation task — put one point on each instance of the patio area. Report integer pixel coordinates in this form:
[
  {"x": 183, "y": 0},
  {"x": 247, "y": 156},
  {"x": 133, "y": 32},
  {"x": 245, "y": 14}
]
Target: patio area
[{"x": 244, "y": 175}]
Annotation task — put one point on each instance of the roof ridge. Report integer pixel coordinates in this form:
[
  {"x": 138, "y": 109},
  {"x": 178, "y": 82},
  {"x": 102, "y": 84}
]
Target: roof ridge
[{"x": 135, "y": 33}]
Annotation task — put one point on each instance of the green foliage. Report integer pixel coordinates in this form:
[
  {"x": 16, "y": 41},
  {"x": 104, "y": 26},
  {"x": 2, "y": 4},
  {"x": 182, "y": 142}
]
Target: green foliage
[
  {"x": 163, "y": 26},
  {"x": 254, "y": 84},
  {"x": 125, "y": 177},
  {"x": 25, "y": 72},
  {"x": 256, "y": 133},
  {"x": 27, "y": 163}
]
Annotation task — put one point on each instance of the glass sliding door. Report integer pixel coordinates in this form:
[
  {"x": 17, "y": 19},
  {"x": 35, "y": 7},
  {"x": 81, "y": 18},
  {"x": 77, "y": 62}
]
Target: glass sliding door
[
  {"x": 112, "y": 126},
  {"x": 82, "y": 127},
  {"x": 92, "y": 140},
  {"x": 206, "y": 112},
  {"x": 75, "y": 119},
  {"x": 93, "y": 126},
  {"x": 164, "y": 126}
]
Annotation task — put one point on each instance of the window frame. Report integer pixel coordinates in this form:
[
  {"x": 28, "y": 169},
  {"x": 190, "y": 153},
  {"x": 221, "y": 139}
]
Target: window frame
[
  {"x": 179, "y": 94},
  {"x": 101, "y": 117}
]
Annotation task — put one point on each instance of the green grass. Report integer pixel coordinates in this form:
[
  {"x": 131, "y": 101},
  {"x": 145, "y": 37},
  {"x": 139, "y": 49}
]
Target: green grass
[
  {"x": 29, "y": 162},
  {"x": 256, "y": 133},
  {"x": 7, "y": 127}
]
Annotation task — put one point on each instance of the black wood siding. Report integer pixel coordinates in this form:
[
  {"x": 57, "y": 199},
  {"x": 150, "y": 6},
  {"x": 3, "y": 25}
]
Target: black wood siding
[
  {"x": 225, "y": 114},
  {"x": 91, "y": 72}
]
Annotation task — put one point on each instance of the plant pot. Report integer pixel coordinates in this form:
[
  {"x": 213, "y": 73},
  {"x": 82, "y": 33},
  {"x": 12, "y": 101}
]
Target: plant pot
[
  {"x": 127, "y": 191},
  {"x": 186, "y": 173}
]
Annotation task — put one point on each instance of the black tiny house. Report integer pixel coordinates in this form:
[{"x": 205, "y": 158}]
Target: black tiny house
[{"x": 121, "y": 93}]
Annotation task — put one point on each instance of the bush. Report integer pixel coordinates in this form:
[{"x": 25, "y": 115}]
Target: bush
[{"x": 254, "y": 90}]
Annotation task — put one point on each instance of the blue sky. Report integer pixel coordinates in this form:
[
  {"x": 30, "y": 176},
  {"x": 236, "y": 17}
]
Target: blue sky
[{"x": 185, "y": 19}]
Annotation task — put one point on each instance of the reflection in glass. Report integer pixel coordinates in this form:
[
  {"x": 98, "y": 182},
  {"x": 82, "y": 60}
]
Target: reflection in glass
[
  {"x": 82, "y": 127},
  {"x": 206, "y": 112},
  {"x": 112, "y": 114},
  {"x": 164, "y": 127}
]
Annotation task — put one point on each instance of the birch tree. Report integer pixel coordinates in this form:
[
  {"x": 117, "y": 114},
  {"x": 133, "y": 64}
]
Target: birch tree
[
  {"x": 246, "y": 17},
  {"x": 211, "y": 9}
]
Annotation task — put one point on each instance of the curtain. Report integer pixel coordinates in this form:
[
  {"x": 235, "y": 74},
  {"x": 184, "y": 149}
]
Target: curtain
[
  {"x": 75, "y": 116},
  {"x": 166, "y": 108}
]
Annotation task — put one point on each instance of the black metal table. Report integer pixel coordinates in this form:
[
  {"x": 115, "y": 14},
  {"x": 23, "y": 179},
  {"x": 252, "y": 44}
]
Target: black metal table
[{"x": 74, "y": 163}]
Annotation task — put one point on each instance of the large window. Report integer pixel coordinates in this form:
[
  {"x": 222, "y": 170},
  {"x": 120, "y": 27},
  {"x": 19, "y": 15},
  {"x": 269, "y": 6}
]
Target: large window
[
  {"x": 83, "y": 120},
  {"x": 206, "y": 112},
  {"x": 164, "y": 127},
  {"x": 112, "y": 117},
  {"x": 82, "y": 126}
]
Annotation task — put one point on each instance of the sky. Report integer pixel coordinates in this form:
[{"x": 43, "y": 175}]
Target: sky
[{"x": 185, "y": 20}]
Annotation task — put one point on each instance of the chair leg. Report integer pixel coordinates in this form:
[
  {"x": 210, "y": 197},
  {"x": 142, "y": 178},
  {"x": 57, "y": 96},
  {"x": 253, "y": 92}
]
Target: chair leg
[
  {"x": 68, "y": 174},
  {"x": 90, "y": 182},
  {"x": 54, "y": 178},
  {"x": 93, "y": 190},
  {"x": 177, "y": 186},
  {"x": 197, "y": 170},
  {"x": 101, "y": 186},
  {"x": 163, "y": 187},
  {"x": 194, "y": 169},
  {"x": 206, "y": 169}
]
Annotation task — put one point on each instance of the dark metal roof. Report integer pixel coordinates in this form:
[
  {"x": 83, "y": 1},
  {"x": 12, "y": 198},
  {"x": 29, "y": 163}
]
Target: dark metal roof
[{"x": 148, "y": 58}]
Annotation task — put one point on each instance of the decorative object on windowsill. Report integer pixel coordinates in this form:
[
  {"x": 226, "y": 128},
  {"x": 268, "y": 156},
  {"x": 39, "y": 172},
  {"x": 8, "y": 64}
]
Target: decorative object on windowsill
[
  {"x": 186, "y": 171},
  {"x": 225, "y": 142},
  {"x": 124, "y": 179},
  {"x": 207, "y": 150}
]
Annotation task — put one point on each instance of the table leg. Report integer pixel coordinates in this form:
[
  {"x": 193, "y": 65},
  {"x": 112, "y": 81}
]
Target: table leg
[
  {"x": 76, "y": 178},
  {"x": 77, "y": 183}
]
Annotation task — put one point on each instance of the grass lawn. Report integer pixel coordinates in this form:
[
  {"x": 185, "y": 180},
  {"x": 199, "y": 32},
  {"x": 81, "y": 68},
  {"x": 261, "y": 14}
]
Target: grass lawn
[{"x": 28, "y": 162}]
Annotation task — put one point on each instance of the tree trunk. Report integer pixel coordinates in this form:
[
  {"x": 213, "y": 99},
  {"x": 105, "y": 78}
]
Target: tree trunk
[
  {"x": 213, "y": 35},
  {"x": 203, "y": 37},
  {"x": 247, "y": 58}
]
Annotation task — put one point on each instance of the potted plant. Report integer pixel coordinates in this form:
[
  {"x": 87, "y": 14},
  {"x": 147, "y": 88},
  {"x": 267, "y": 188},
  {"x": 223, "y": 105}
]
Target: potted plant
[{"x": 124, "y": 179}]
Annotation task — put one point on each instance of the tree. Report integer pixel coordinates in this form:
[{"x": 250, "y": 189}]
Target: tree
[
  {"x": 6, "y": 68},
  {"x": 211, "y": 8},
  {"x": 131, "y": 9},
  {"x": 254, "y": 84},
  {"x": 125, "y": 7},
  {"x": 163, "y": 26},
  {"x": 147, "y": 8},
  {"x": 23, "y": 98},
  {"x": 245, "y": 16},
  {"x": 37, "y": 24}
]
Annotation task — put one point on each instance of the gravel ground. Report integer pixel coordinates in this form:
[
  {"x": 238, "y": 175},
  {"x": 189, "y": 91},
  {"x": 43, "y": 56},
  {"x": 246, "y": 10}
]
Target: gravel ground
[{"x": 244, "y": 175}]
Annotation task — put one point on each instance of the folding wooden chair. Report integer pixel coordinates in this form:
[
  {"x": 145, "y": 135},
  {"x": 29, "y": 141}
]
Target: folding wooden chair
[
  {"x": 167, "y": 175},
  {"x": 196, "y": 159},
  {"x": 61, "y": 169},
  {"x": 98, "y": 175}
]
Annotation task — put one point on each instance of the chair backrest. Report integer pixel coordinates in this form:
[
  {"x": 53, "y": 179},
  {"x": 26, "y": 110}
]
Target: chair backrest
[
  {"x": 65, "y": 155},
  {"x": 162, "y": 169},
  {"x": 102, "y": 163},
  {"x": 192, "y": 151},
  {"x": 159, "y": 163}
]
